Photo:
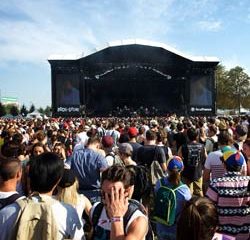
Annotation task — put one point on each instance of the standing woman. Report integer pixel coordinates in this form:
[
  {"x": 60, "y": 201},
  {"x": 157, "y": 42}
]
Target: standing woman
[
  {"x": 182, "y": 193},
  {"x": 68, "y": 193}
]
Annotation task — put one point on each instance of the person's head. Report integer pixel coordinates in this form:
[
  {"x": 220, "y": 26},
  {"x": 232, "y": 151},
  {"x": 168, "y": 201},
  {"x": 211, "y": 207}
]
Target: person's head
[
  {"x": 192, "y": 134},
  {"x": 241, "y": 132},
  {"x": 180, "y": 126},
  {"x": 175, "y": 167},
  {"x": 68, "y": 187},
  {"x": 151, "y": 135},
  {"x": 45, "y": 172},
  {"x": 94, "y": 142},
  {"x": 224, "y": 138},
  {"x": 37, "y": 149},
  {"x": 59, "y": 149},
  {"x": 132, "y": 132},
  {"x": 119, "y": 177},
  {"x": 125, "y": 150},
  {"x": 246, "y": 148},
  {"x": 107, "y": 142},
  {"x": 10, "y": 169},
  {"x": 212, "y": 130},
  {"x": 232, "y": 159},
  {"x": 198, "y": 220}
]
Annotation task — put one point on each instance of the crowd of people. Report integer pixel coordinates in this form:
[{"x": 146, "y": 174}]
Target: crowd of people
[{"x": 134, "y": 177}]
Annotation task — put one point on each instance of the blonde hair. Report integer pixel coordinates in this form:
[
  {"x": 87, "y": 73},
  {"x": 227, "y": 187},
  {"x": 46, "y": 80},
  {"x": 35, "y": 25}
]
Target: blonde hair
[{"x": 69, "y": 194}]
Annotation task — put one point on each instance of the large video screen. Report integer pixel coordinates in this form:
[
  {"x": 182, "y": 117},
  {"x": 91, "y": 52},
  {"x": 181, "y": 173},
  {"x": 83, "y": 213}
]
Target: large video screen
[
  {"x": 67, "y": 89},
  {"x": 201, "y": 90}
]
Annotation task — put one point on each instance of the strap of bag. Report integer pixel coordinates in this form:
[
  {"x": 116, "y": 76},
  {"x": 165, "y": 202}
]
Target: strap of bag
[{"x": 9, "y": 200}]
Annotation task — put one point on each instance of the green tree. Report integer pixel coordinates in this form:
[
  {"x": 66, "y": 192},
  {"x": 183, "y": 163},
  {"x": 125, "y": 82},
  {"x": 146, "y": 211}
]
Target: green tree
[
  {"x": 222, "y": 86},
  {"x": 14, "y": 110},
  {"x": 238, "y": 82},
  {"x": 2, "y": 110},
  {"x": 232, "y": 88},
  {"x": 40, "y": 110},
  {"x": 47, "y": 111},
  {"x": 24, "y": 110},
  {"x": 32, "y": 108}
]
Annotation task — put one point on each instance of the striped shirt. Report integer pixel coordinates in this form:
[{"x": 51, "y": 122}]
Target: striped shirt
[{"x": 230, "y": 194}]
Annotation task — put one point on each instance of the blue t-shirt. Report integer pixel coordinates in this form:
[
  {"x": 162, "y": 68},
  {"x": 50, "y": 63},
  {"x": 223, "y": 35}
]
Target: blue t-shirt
[
  {"x": 87, "y": 165},
  {"x": 182, "y": 195}
]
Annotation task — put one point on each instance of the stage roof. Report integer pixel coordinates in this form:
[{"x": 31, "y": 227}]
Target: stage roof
[{"x": 135, "y": 42}]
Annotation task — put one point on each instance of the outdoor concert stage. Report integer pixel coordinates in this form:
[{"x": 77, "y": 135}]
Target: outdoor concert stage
[{"x": 136, "y": 74}]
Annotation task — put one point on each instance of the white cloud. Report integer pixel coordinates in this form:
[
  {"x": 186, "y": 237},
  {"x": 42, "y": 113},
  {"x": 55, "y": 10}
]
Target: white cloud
[{"x": 211, "y": 26}]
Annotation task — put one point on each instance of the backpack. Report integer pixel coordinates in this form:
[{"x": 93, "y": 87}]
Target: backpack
[
  {"x": 9, "y": 200},
  {"x": 193, "y": 154},
  {"x": 215, "y": 144},
  {"x": 35, "y": 220},
  {"x": 100, "y": 233},
  {"x": 116, "y": 159},
  {"x": 156, "y": 171},
  {"x": 141, "y": 182},
  {"x": 165, "y": 204}
]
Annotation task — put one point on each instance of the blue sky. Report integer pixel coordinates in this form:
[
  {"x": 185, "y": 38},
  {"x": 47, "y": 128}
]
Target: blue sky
[{"x": 31, "y": 30}]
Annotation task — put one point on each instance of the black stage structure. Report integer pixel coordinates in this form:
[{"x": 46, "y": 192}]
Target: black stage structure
[{"x": 136, "y": 75}]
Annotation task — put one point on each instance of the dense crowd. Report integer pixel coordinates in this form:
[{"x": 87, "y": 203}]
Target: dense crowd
[{"x": 125, "y": 178}]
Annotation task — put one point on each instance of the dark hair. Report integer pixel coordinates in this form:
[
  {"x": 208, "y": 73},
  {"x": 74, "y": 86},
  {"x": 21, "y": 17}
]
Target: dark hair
[
  {"x": 8, "y": 168},
  {"x": 198, "y": 220},
  {"x": 17, "y": 138},
  {"x": 124, "y": 138},
  {"x": 192, "y": 134},
  {"x": 151, "y": 135},
  {"x": 10, "y": 149},
  {"x": 38, "y": 144},
  {"x": 174, "y": 177},
  {"x": 45, "y": 172},
  {"x": 117, "y": 173},
  {"x": 180, "y": 126}
]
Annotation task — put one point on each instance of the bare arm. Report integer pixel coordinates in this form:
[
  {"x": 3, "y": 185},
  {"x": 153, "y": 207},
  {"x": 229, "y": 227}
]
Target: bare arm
[
  {"x": 88, "y": 205},
  {"x": 206, "y": 179},
  {"x": 136, "y": 231}
]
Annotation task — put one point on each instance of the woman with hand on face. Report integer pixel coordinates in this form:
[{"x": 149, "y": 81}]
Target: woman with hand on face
[{"x": 117, "y": 217}]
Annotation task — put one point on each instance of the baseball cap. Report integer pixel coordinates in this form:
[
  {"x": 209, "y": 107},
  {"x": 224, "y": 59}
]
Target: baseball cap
[
  {"x": 125, "y": 148},
  {"x": 175, "y": 164},
  {"x": 132, "y": 132},
  {"x": 233, "y": 157},
  {"x": 107, "y": 141},
  {"x": 67, "y": 179}
]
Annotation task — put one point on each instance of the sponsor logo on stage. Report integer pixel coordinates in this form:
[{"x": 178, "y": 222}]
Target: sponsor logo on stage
[
  {"x": 68, "y": 109},
  {"x": 201, "y": 109}
]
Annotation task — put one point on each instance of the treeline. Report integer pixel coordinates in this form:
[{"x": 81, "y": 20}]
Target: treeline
[
  {"x": 15, "y": 111},
  {"x": 232, "y": 88}
]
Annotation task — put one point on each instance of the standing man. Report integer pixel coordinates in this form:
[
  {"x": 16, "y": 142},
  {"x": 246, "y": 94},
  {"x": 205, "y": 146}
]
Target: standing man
[
  {"x": 10, "y": 175},
  {"x": 194, "y": 156},
  {"x": 88, "y": 163}
]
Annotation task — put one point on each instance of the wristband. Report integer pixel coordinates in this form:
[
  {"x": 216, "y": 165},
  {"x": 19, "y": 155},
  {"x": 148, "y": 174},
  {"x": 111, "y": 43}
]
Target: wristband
[{"x": 116, "y": 219}]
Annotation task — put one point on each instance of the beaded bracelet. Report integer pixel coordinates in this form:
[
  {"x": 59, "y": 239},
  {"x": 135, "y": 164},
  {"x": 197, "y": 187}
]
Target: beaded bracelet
[{"x": 116, "y": 219}]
